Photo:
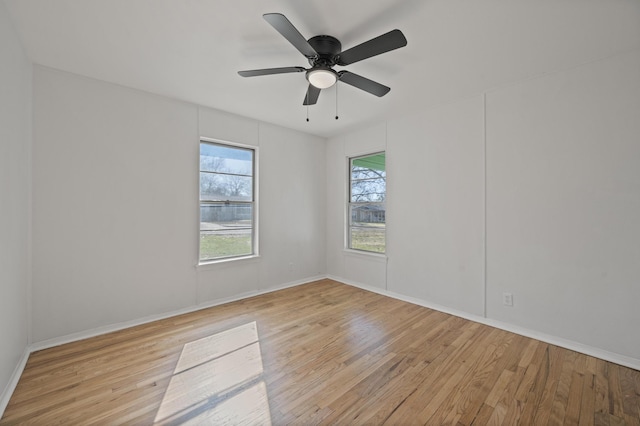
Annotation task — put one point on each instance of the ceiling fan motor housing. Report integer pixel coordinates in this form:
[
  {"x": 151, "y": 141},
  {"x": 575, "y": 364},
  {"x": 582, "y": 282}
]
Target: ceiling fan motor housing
[{"x": 328, "y": 48}]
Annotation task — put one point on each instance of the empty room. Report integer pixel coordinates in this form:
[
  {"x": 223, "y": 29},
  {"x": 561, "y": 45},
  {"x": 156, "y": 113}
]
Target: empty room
[{"x": 321, "y": 212}]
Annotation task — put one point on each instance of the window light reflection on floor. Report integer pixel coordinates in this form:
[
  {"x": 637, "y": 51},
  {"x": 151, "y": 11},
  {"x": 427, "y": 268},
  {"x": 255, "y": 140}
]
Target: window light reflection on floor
[{"x": 218, "y": 379}]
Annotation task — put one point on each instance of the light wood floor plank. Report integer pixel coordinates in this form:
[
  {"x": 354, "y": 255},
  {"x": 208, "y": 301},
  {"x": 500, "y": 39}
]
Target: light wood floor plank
[{"x": 321, "y": 353}]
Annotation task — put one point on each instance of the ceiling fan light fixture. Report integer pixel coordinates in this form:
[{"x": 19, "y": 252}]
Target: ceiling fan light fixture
[{"x": 322, "y": 78}]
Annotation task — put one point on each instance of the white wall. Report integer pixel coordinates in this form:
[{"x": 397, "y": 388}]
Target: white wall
[
  {"x": 436, "y": 206},
  {"x": 15, "y": 146},
  {"x": 292, "y": 206},
  {"x": 562, "y": 200},
  {"x": 563, "y": 204},
  {"x": 115, "y": 210}
]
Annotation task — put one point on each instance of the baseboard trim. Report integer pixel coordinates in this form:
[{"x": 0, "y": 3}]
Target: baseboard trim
[
  {"x": 554, "y": 340},
  {"x": 74, "y": 337},
  {"x": 13, "y": 381},
  {"x": 547, "y": 338}
]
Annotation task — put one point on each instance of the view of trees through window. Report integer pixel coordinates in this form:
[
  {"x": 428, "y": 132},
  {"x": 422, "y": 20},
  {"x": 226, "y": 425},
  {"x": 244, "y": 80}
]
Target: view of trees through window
[
  {"x": 226, "y": 201},
  {"x": 367, "y": 214}
]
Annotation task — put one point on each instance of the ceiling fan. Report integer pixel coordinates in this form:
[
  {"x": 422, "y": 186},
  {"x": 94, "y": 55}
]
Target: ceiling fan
[{"x": 324, "y": 52}]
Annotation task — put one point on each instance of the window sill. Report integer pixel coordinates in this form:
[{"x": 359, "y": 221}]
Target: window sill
[
  {"x": 228, "y": 261},
  {"x": 379, "y": 257}
]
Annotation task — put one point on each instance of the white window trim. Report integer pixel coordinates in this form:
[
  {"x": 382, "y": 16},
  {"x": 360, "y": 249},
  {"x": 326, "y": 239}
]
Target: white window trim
[
  {"x": 347, "y": 212},
  {"x": 254, "y": 230}
]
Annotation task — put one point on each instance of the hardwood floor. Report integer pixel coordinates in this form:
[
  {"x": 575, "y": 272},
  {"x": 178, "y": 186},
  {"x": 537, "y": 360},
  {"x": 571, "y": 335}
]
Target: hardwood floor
[{"x": 320, "y": 353}]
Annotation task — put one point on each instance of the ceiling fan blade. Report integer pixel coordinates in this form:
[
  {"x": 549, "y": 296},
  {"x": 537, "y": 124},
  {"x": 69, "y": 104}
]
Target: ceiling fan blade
[
  {"x": 362, "y": 83},
  {"x": 288, "y": 31},
  {"x": 269, "y": 71},
  {"x": 381, "y": 44},
  {"x": 312, "y": 95}
]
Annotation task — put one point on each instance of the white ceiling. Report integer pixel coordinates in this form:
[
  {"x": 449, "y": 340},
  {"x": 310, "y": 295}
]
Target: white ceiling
[{"x": 192, "y": 49}]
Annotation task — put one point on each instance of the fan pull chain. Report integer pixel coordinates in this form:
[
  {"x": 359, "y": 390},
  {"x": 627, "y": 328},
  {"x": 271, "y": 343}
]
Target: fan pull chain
[
  {"x": 336, "y": 100},
  {"x": 307, "y": 104}
]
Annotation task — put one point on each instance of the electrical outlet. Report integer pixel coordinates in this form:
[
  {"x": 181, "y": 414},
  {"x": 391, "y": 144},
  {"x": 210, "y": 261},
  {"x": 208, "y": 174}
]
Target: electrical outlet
[
  {"x": 507, "y": 299},
  {"x": 292, "y": 267}
]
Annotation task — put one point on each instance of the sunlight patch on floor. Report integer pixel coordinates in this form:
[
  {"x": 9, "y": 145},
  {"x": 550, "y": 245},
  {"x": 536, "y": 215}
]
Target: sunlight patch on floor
[{"x": 218, "y": 379}]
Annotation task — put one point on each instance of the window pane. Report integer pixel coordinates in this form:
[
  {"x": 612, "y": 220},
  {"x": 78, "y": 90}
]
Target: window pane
[
  {"x": 368, "y": 190},
  {"x": 224, "y": 159},
  {"x": 226, "y": 196},
  {"x": 225, "y": 230},
  {"x": 218, "y": 187},
  {"x": 214, "y": 244},
  {"x": 368, "y": 178},
  {"x": 368, "y": 214},
  {"x": 367, "y": 194},
  {"x": 373, "y": 161},
  {"x": 369, "y": 238}
]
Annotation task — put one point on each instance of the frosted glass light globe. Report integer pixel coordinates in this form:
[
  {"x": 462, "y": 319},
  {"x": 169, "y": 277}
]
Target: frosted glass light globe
[{"x": 322, "y": 78}]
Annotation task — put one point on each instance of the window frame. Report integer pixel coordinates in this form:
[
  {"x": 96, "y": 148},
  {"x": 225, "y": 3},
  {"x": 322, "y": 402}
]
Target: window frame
[
  {"x": 253, "y": 202},
  {"x": 350, "y": 204}
]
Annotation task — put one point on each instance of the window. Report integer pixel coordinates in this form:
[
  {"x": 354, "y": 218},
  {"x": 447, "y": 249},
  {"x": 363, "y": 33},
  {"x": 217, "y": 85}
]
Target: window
[
  {"x": 367, "y": 194},
  {"x": 227, "y": 201}
]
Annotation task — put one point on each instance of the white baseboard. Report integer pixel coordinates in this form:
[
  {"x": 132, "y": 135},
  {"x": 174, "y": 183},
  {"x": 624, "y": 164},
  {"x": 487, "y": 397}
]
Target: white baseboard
[
  {"x": 554, "y": 340},
  {"x": 13, "y": 381},
  {"x": 547, "y": 338},
  {"x": 74, "y": 337}
]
